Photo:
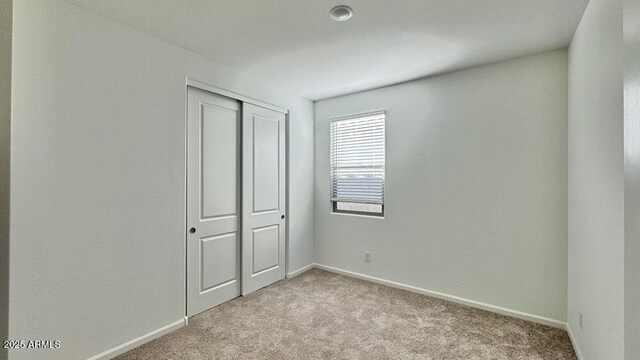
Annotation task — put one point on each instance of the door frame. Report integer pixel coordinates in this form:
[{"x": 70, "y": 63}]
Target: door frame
[{"x": 191, "y": 82}]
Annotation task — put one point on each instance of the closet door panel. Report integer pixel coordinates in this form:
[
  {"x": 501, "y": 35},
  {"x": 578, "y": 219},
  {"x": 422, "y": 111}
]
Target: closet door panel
[
  {"x": 213, "y": 194},
  {"x": 263, "y": 189}
]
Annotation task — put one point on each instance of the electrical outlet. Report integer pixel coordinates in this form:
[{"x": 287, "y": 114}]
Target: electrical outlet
[
  {"x": 580, "y": 320},
  {"x": 367, "y": 256}
]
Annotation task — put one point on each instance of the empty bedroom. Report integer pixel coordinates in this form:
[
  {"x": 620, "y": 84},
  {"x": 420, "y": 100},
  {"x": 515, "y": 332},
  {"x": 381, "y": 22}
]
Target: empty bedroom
[{"x": 315, "y": 179}]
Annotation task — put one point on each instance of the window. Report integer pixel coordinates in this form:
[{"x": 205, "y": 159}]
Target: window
[{"x": 357, "y": 164}]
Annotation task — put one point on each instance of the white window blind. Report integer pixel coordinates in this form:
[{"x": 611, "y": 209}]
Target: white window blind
[{"x": 357, "y": 159}]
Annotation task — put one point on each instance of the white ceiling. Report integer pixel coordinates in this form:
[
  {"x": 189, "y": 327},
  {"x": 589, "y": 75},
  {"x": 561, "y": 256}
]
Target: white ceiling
[{"x": 293, "y": 44}]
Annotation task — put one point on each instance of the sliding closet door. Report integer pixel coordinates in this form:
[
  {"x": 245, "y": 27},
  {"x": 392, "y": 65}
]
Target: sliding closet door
[
  {"x": 213, "y": 200},
  {"x": 263, "y": 197}
]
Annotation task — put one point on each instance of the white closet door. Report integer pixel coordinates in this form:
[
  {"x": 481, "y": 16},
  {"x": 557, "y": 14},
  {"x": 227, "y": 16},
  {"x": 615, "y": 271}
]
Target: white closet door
[
  {"x": 213, "y": 200},
  {"x": 263, "y": 197}
]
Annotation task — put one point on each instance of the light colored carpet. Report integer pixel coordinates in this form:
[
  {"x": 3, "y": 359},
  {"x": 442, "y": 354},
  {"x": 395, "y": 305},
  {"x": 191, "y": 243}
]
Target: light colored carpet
[{"x": 321, "y": 315}]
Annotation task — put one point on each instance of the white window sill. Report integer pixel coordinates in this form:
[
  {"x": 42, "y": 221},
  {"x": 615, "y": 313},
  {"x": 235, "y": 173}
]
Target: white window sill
[{"x": 378, "y": 217}]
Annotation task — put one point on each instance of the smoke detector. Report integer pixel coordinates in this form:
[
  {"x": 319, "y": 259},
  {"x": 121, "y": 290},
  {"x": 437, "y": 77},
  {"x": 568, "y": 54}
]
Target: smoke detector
[{"x": 341, "y": 13}]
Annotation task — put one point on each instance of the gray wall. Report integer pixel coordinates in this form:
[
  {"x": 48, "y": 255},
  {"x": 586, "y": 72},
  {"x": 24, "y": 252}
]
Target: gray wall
[
  {"x": 476, "y": 186},
  {"x": 632, "y": 177},
  {"x": 6, "y": 7},
  {"x": 98, "y": 178},
  {"x": 596, "y": 183}
]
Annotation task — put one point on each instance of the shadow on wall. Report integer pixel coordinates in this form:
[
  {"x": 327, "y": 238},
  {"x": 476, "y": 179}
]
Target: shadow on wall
[{"x": 6, "y": 15}]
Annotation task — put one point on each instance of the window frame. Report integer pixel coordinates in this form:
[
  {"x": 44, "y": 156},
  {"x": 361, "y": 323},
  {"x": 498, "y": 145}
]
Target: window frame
[
  {"x": 333, "y": 202},
  {"x": 335, "y": 210}
]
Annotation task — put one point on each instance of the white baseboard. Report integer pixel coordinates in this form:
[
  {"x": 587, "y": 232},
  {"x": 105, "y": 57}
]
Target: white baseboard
[
  {"x": 300, "y": 271},
  {"x": 122, "y": 348},
  {"x": 476, "y": 304},
  {"x": 576, "y": 348}
]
